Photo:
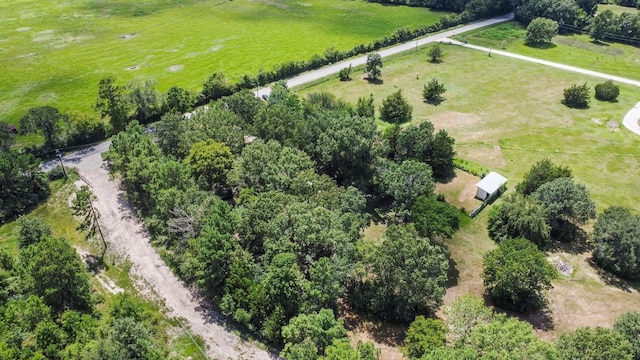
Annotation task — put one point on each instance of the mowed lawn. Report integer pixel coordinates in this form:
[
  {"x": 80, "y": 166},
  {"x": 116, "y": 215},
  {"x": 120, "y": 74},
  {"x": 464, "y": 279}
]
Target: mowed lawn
[
  {"x": 55, "y": 52},
  {"x": 505, "y": 115},
  {"x": 573, "y": 49}
]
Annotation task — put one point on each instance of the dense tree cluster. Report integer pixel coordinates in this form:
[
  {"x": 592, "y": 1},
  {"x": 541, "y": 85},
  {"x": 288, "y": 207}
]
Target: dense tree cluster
[
  {"x": 287, "y": 244},
  {"x": 548, "y": 204},
  {"x": 516, "y": 274},
  {"x": 608, "y": 25},
  {"x": 48, "y": 311}
]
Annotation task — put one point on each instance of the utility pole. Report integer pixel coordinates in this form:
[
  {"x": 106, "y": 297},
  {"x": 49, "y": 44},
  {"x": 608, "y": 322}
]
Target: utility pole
[{"x": 61, "y": 164}]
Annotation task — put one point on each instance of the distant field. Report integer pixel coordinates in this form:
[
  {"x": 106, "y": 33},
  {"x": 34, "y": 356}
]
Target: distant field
[
  {"x": 577, "y": 50},
  {"x": 54, "y": 53}
]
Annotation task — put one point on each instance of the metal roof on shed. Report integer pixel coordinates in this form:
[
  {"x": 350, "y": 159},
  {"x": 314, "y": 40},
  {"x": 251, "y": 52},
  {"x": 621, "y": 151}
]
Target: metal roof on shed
[{"x": 491, "y": 182}]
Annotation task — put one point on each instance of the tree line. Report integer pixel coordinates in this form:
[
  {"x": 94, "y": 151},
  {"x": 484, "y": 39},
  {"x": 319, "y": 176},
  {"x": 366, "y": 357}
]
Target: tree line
[{"x": 262, "y": 204}]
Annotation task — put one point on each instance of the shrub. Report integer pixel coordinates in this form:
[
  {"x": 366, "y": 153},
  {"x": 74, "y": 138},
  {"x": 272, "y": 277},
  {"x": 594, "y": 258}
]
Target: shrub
[
  {"x": 607, "y": 91},
  {"x": 576, "y": 96}
]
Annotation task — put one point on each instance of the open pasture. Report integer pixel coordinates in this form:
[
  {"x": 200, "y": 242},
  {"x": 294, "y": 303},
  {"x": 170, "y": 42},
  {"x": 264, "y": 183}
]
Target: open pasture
[
  {"x": 55, "y": 52},
  {"x": 571, "y": 49}
]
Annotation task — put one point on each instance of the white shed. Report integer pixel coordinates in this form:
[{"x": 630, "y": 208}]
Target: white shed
[{"x": 489, "y": 185}]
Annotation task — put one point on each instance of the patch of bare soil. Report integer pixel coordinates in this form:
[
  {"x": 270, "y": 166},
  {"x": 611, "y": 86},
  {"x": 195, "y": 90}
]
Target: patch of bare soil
[
  {"x": 461, "y": 190},
  {"x": 588, "y": 296},
  {"x": 129, "y": 239}
]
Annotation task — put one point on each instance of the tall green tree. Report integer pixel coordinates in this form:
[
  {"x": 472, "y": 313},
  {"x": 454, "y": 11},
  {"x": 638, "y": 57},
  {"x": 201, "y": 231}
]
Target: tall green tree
[
  {"x": 7, "y": 137},
  {"x": 321, "y": 328},
  {"x": 463, "y": 316},
  {"x": 616, "y": 239},
  {"x": 32, "y": 230},
  {"x": 56, "y": 273},
  {"x": 365, "y": 107},
  {"x": 408, "y": 276},
  {"x": 603, "y": 25},
  {"x": 540, "y": 173},
  {"x": 395, "y": 109},
  {"x": 374, "y": 64},
  {"x": 628, "y": 325},
  {"x": 46, "y": 120},
  {"x": 432, "y": 217},
  {"x": 144, "y": 100},
  {"x": 569, "y": 206},
  {"x": 541, "y": 30},
  {"x": 593, "y": 344},
  {"x": 112, "y": 102},
  {"x": 209, "y": 161},
  {"x": 171, "y": 134},
  {"x": 178, "y": 100},
  {"x": 516, "y": 274},
  {"x": 520, "y": 216},
  {"x": 422, "y": 336},
  {"x": 22, "y": 184},
  {"x": 269, "y": 166},
  {"x": 216, "y": 86},
  {"x": 404, "y": 183},
  {"x": 340, "y": 144}
]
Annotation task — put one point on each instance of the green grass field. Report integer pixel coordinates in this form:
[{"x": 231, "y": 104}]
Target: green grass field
[
  {"x": 577, "y": 50},
  {"x": 617, "y": 8},
  {"x": 54, "y": 53}
]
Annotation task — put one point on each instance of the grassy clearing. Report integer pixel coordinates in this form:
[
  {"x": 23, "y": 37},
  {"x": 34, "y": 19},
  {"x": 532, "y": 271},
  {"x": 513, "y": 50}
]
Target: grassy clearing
[
  {"x": 505, "y": 115},
  {"x": 617, "y": 9},
  {"x": 55, "y": 54},
  {"x": 577, "y": 50}
]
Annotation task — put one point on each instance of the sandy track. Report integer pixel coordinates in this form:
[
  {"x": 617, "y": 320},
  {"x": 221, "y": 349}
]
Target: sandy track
[{"x": 128, "y": 237}]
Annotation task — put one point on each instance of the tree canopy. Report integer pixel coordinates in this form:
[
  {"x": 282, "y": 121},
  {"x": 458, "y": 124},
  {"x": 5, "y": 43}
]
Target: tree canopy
[
  {"x": 395, "y": 109},
  {"x": 616, "y": 240},
  {"x": 516, "y": 274}
]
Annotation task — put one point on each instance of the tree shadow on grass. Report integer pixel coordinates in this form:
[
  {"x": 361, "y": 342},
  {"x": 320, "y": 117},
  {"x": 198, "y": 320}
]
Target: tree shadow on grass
[
  {"x": 374, "y": 81},
  {"x": 579, "y": 244},
  {"x": 612, "y": 279},
  {"x": 541, "y": 319},
  {"x": 542, "y": 46},
  {"x": 387, "y": 333},
  {"x": 452, "y": 274},
  {"x": 435, "y": 102}
]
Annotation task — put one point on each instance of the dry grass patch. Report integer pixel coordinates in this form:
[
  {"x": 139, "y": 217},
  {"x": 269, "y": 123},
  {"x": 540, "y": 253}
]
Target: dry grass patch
[{"x": 460, "y": 191}]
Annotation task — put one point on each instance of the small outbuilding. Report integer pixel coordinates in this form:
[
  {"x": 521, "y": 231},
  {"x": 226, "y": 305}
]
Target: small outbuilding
[{"x": 489, "y": 185}]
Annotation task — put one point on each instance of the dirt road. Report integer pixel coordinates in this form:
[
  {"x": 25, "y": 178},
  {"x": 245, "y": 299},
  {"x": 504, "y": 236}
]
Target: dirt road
[{"x": 128, "y": 237}]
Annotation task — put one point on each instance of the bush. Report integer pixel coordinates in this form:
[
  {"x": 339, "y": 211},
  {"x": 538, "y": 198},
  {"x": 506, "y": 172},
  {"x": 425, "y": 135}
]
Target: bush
[
  {"x": 576, "y": 96},
  {"x": 432, "y": 91},
  {"x": 345, "y": 74},
  {"x": 55, "y": 173},
  {"x": 607, "y": 91},
  {"x": 540, "y": 31}
]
